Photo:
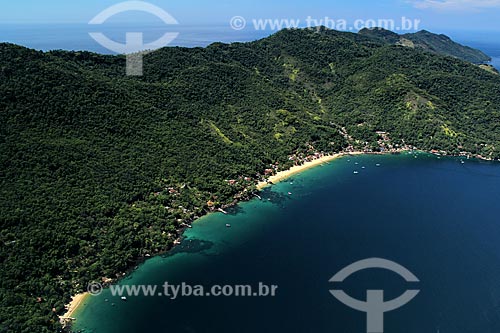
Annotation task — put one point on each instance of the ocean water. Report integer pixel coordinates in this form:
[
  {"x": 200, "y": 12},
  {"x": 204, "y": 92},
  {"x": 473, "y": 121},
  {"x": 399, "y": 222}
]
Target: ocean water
[
  {"x": 487, "y": 42},
  {"x": 75, "y": 37},
  {"x": 439, "y": 218}
]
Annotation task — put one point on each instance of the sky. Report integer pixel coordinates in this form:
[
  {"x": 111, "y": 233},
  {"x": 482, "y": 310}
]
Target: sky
[{"x": 475, "y": 15}]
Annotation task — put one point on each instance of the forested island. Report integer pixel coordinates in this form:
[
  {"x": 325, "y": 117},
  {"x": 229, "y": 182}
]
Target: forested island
[{"x": 99, "y": 170}]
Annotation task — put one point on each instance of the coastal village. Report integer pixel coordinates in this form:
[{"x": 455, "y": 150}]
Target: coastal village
[{"x": 249, "y": 187}]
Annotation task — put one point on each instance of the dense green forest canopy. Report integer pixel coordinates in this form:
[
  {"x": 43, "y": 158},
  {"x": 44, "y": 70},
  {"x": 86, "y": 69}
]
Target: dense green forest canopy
[{"x": 98, "y": 169}]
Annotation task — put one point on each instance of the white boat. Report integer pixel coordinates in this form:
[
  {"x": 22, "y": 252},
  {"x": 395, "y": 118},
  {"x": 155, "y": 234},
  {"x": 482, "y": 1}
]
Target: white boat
[
  {"x": 377, "y": 164},
  {"x": 124, "y": 298},
  {"x": 228, "y": 225},
  {"x": 356, "y": 172}
]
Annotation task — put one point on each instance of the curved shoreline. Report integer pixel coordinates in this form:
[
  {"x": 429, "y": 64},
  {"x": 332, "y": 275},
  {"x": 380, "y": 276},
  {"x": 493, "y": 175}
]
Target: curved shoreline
[
  {"x": 76, "y": 302},
  {"x": 282, "y": 175},
  {"x": 79, "y": 300}
]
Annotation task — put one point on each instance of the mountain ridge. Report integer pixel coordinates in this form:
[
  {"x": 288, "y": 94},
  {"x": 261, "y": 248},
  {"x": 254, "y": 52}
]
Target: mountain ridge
[{"x": 428, "y": 41}]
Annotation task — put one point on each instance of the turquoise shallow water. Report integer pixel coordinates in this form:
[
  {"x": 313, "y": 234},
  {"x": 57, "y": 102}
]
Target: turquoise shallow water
[{"x": 437, "y": 217}]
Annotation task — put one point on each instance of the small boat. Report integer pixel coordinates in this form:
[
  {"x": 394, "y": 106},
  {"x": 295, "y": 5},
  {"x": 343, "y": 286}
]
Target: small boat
[
  {"x": 356, "y": 163},
  {"x": 462, "y": 162},
  {"x": 378, "y": 164},
  {"x": 124, "y": 298},
  {"x": 356, "y": 172},
  {"x": 289, "y": 193},
  {"x": 228, "y": 225},
  {"x": 190, "y": 226},
  {"x": 363, "y": 168},
  {"x": 222, "y": 211}
]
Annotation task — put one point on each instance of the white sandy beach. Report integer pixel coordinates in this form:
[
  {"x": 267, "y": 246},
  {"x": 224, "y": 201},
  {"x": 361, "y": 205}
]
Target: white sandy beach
[
  {"x": 299, "y": 168},
  {"x": 77, "y": 301}
]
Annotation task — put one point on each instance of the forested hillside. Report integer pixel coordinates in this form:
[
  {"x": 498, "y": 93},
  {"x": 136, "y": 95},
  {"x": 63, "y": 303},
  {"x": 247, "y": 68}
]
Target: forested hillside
[
  {"x": 98, "y": 169},
  {"x": 427, "y": 41}
]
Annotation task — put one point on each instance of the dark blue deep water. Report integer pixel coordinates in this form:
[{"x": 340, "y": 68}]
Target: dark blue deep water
[{"x": 437, "y": 217}]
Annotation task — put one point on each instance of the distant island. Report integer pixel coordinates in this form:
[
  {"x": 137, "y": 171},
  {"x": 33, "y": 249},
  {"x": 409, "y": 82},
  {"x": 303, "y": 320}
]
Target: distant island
[{"x": 100, "y": 170}]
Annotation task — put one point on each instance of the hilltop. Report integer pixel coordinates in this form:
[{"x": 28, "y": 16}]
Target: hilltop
[{"x": 428, "y": 41}]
